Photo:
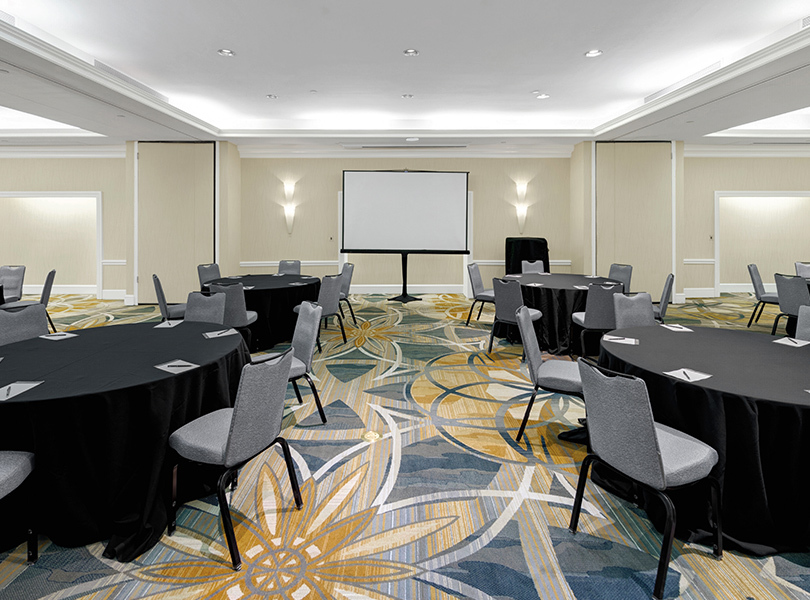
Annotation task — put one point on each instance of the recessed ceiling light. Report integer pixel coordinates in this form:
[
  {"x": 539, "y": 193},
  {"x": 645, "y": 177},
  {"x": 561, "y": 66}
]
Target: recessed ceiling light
[
  {"x": 407, "y": 96},
  {"x": 535, "y": 92},
  {"x": 226, "y": 52},
  {"x": 543, "y": 96},
  {"x": 411, "y": 52},
  {"x": 411, "y": 139},
  {"x": 313, "y": 91},
  {"x": 593, "y": 53},
  {"x": 271, "y": 96}
]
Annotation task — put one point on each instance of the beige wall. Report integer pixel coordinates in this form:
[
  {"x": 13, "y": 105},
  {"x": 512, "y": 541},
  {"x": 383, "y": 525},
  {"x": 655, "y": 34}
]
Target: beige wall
[
  {"x": 580, "y": 208},
  {"x": 230, "y": 207}
]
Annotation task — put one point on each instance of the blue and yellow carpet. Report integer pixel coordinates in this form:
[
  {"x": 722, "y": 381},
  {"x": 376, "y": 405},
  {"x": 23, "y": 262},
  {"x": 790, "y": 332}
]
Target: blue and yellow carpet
[{"x": 414, "y": 488}]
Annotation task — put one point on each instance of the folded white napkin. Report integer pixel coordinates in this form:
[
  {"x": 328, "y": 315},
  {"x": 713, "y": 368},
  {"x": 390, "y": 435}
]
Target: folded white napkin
[
  {"x": 176, "y": 366},
  {"x": 17, "y": 388},
  {"x": 674, "y": 327},
  {"x": 687, "y": 374},
  {"x": 620, "y": 340},
  {"x": 62, "y": 335},
  {"x": 792, "y": 342},
  {"x": 222, "y": 333},
  {"x": 168, "y": 324}
]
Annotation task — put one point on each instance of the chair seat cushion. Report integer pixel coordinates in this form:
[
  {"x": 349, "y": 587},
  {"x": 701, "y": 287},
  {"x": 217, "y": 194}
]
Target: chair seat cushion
[
  {"x": 252, "y": 315},
  {"x": 561, "y": 375},
  {"x": 486, "y": 296},
  {"x": 685, "y": 459},
  {"x": 204, "y": 439},
  {"x": 657, "y": 312},
  {"x": 297, "y": 369},
  {"x": 770, "y": 298},
  {"x": 18, "y": 304},
  {"x": 579, "y": 318},
  {"x": 176, "y": 311},
  {"x": 14, "y": 468}
]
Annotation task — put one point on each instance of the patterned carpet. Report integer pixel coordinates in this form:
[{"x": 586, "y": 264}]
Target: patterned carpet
[{"x": 414, "y": 488}]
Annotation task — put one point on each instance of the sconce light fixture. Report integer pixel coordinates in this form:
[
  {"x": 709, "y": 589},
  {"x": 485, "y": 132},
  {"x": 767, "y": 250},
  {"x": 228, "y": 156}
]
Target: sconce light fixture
[
  {"x": 521, "y": 207},
  {"x": 289, "y": 207}
]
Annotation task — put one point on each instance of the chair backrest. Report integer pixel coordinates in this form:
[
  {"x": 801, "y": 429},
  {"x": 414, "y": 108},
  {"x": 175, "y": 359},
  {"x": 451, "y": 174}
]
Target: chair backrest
[
  {"x": 15, "y": 467},
  {"x": 803, "y": 270},
  {"x": 792, "y": 293},
  {"x": 620, "y": 423},
  {"x": 258, "y": 408},
  {"x": 207, "y": 273},
  {"x": 803, "y": 324},
  {"x": 633, "y": 311},
  {"x": 621, "y": 273},
  {"x": 756, "y": 280},
  {"x": 532, "y": 266},
  {"x": 476, "y": 282},
  {"x": 11, "y": 278},
  {"x": 531, "y": 348},
  {"x": 305, "y": 336},
  {"x": 599, "y": 311},
  {"x": 45, "y": 297},
  {"x": 508, "y": 298},
  {"x": 23, "y": 324},
  {"x": 346, "y": 279},
  {"x": 161, "y": 297},
  {"x": 290, "y": 267},
  {"x": 329, "y": 295},
  {"x": 206, "y": 309},
  {"x": 235, "y": 307},
  {"x": 666, "y": 295}
]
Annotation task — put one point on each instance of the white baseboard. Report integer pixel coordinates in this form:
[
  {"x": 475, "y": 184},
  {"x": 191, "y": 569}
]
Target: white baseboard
[
  {"x": 396, "y": 288},
  {"x": 733, "y": 288},
  {"x": 699, "y": 293},
  {"x": 129, "y": 300},
  {"x": 113, "y": 294},
  {"x": 678, "y": 298}
]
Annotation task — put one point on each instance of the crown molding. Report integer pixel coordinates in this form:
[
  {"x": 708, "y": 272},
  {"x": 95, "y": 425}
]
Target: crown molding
[
  {"x": 747, "y": 151},
  {"x": 117, "y": 151},
  {"x": 250, "y": 151}
]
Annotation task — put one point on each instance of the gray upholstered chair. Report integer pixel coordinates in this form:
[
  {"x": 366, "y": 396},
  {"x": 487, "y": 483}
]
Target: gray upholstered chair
[
  {"x": 660, "y": 311},
  {"x": 633, "y": 311},
  {"x": 236, "y": 313},
  {"x": 621, "y": 273},
  {"x": 345, "y": 284},
  {"x": 329, "y": 300},
  {"x": 557, "y": 376},
  {"x": 599, "y": 315},
  {"x": 231, "y": 437},
  {"x": 15, "y": 467},
  {"x": 803, "y": 324},
  {"x": 23, "y": 324},
  {"x": 762, "y": 296},
  {"x": 167, "y": 311},
  {"x": 44, "y": 298},
  {"x": 205, "y": 309},
  {"x": 792, "y": 293},
  {"x": 11, "y": 278},
  {"x": 304, "y": 339},
  {"x": 625, "y": 438},
  {"x": 480, "y": 294},
  {"x": 508, "y": 298},
  {"x": 290, "y": 267},
  {"x": 532, "y": 266},
  {"x": 208, "y": 272},
  {"x": 802, "y": 269}
]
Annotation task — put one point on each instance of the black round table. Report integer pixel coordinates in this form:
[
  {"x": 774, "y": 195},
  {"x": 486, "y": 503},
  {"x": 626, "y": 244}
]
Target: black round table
[
  {"x": 754, "y": 410},
  {"x": 99, "y": 424},
  {"x": 557, "y": 296},
  {"x": 273, "y": 297}
]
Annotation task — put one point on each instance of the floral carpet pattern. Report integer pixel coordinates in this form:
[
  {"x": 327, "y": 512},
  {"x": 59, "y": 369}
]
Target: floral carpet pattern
[{"x": 414, "y": 488}]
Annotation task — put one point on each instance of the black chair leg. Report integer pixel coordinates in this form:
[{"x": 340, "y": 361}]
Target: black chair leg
[
  {"x": 480, "y": 310},
  {"x": 342, "y": 331},
  {"x": 526, "y": 415},
  {"x": 351, "y": 310},
  {"x": 173, "y": 505},
  {"x": 51, "y": 321},
  {"x": 317, "y": 397},
  {"x": 761, "y": 308},
  {"x": 33, "y": 547},
  {"x": 776, "y": 322},
  {"x": 342, "y": 314},
  {"x": 285, "y": 450},
  {"x": 297, "y": 392},
  {"x": 227, "y": 522},
  {"x": 583, "y": 478},
  {"x": 666, "y": 546},
  {"x": 717, "y": 521},
  {"x": 472, "y": 306},
  {"x": 753, "y": 314}
]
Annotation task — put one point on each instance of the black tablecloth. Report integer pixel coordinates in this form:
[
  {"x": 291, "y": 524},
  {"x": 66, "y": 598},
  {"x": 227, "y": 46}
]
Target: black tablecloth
[
  {"x": 99, "y": 424},
  {"x": 557, "y": 298},
  {"x": 754, "y": 410},
  {"x": 273, "y": 297}
]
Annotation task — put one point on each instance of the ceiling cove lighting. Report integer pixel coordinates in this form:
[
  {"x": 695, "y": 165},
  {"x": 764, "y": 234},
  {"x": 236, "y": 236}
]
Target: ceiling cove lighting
[
  {"x": 226, "y": 52},
  {"x": 593, "y": 53},
  {"x": 412, "y": 139},
  {"x": 411, "y": 52}
]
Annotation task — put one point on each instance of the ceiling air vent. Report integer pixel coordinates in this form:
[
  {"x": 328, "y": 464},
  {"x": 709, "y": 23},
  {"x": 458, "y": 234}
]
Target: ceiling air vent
[
  {"x": 126, "y": 78},
  {"x": 4, "y": 16},
  {"x": 805, "y": 22}
]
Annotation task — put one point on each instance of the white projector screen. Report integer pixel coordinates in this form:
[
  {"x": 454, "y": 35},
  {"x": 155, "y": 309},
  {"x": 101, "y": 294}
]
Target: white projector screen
[{"x": 405, "y": 211}]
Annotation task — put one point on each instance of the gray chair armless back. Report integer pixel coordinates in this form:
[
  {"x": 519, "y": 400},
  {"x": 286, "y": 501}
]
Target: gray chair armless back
[
  {"x": 11, "y": 278},
  {"x": 289, "y": 267},
  {"x": 666, "y": 295},
  {"x": 792, "y": 292},
  {"x": 620, "y": 424},
  {"x": 329, "y": 295},
  {"x": 207, "y": 273},
  {"x": 161, "y": 297},
  {"x": 531, "y": 348},
  {"x": 803, "y": 324},
  {"x": 803, "y": 270},
  {"x": 258, "y": 409},
  {"x": 45, "y": 297},
  {"x": 599, "y": 311},
  {"x": 508, "y": 298},
  {"x": 475, "y": 279},
  {"x": 305, "y": 336},
  {"x": 235, "y": 307},
  {"x": 756, "y": 280},
  {"x": 532, "y": 266},
  {"x": 346, "y": 279},
  {"x": 633, "y": 311},
  {"x": 22, "y": 324},
  {"x": 621, "y": 273},
  {"x": 205, "y": 309}
]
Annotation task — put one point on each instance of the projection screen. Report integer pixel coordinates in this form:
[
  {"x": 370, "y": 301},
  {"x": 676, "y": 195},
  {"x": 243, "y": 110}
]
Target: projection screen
[{"x": 405, "y": 211}]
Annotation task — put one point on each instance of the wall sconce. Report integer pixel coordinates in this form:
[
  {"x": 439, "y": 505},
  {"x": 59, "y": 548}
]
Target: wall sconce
[
  {"x": 289, "y": 208},
  {"x": 521, "y": 207}
]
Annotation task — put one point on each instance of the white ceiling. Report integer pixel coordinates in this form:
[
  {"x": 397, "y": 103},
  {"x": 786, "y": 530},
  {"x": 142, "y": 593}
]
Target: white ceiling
[{"x": 150, "y": 70}]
